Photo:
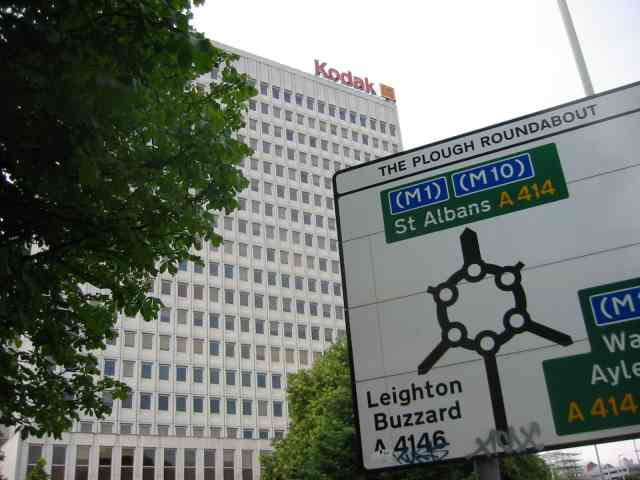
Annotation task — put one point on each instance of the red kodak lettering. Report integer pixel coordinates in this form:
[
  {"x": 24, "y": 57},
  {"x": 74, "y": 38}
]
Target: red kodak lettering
[
  {"x": 346, "y": 78},
  {"x": 369, "y": 86},
  {"x": 320, "y": 69}
]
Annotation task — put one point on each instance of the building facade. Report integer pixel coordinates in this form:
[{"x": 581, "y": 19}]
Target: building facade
[{"x": 209, "y": 377}]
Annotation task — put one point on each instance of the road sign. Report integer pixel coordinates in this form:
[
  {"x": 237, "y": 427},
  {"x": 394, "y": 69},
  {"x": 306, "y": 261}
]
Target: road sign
[{"x": 493, "y": 287}]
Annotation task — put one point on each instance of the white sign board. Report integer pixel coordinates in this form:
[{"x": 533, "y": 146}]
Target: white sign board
[{"x": 493, "y": 287}]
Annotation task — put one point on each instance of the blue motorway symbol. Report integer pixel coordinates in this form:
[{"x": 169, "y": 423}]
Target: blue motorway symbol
[
  {"x": 492, "y": 175},
  {"x": 417, "y": 195},
  {"x": 616, "y": 306}
]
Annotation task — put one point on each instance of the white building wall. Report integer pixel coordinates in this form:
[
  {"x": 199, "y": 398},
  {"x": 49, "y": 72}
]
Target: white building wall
[{"x": 285, "y": 231}]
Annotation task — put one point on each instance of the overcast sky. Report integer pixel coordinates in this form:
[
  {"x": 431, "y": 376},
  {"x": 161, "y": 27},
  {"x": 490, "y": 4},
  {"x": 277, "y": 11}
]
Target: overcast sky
[{"x": 455, "y": 65}]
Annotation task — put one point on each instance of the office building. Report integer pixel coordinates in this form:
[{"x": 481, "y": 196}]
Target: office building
[{"x": 209, "y": 377}]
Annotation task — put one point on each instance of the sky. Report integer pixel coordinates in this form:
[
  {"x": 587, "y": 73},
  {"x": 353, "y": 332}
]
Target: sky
[{"x": 456, "y": 66}]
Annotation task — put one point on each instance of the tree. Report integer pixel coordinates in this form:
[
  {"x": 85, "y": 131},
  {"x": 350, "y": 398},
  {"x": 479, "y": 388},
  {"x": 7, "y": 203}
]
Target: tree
[
  {"x": 322, "y": 442},
  {"x": 111, "y": 168},
  {"x": 38, "y": 472}
]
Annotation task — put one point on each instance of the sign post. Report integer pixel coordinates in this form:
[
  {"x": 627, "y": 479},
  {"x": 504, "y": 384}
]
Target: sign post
[{"x": 493, "y": 288}]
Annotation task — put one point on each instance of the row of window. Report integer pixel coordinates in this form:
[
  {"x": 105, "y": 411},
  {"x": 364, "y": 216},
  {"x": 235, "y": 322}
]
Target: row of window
[
  {"x": 215, "y": 350},
  {"x": 310, "y": 103},
  {"x": 270, "y": 211},
  {"x": 273, "y": 279},
  {"x": 230, "y": 326},
  {"x": 278, "y": 170},
  {"x": 304, "y": 138},
  {"x": 311, "y": 178},
  {"x": 217, "y": 432},
  {"x": 284, "y": 304},
  {"x": 291, "y": 154},
  {"x": 322, "y": 107},
  {"x": 155, "y": 462},
  {"x": 231, "y": 377},
  {"x": 232, "y": 406}
]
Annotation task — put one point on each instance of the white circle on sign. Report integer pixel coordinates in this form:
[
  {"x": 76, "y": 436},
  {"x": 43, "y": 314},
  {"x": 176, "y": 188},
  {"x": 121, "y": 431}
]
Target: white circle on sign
[
  {"x": 474, "y": 270},
  {"x": 445, "y": 294},
  {"x": 507, "y": 278},
  {"x": 487, "y": 344},
  {"x": 516, "y": 320},
  {"x": 454, "y": 334}
]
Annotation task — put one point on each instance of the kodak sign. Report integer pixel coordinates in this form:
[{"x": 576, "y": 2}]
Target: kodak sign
[{"x": 346, "y": 78}]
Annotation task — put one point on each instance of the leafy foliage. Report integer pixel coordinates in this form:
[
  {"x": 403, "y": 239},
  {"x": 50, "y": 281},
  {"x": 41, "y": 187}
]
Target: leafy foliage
[
  {"x": 110, "y": 168},
  {"x": 38, "y": 472},
  {"x": 322, "y": 442}
]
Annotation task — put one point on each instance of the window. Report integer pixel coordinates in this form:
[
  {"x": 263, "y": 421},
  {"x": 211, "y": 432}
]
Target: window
[
  {"x": 228, "y": 455},
  {"x": 244, "y": 324},
  {"x": 214, "y": 405},
  {"x": 198, "y": 374},
  {"x": 128, "y": 367},
  {"x": 181, "y": 403},
  {"x": 229, "y": 296},
  {"x": 181, "y": 345},
  {"x": 182, "y": 289},
  {"x": 261, "y": 380},
  {"x": 289, "y": 355},
  {"x": 58, "y": 462},
  {"x": 198, "y": 405},
  {"x": 230, "y": 349},
  {"x": 277, "y": 408},
  {"x": 260, "y": 352},
  {"x": 231, "y": 406},
  {"x": 214, "y": 348},
  {"x": 164, "y": 342},
  {"x": 86, "y": 427},
  {"x": 181, "y": 373},
  {"x": 109, "y": 369},
  {"x": 197, "y": 346},
  {"x": 126, "y": 463},
  {"x": 303, "y": 356},
  {"x": 146, "y": 370},
  {"x": 230, "y": 377},
  {"x": 275, "y": 354},
  {"x": 276, "y": 382},
  {"x": 246, "y": 379},
  {"x": 287, "y": 96},
  {"x": 213, "y": 269},
  {"x": 163, "y": 372},
  {"x": 214, "y": 376},
  {"x": 34, "y": 454},
  {"x": 229, "y": 323},
  {"x": 169, "y": 464},
  {"x": 273, "y": 328},
  {"x": 198, "y": 292},
  {"x": 263, "y": 408},
  {"x": 163, "y": 403},
  {"x": 247, "y": 407},
  {"x": 302, "y": 331},
  {"x": 145, "y": 401},
  {"x": 189, "y": 464},
  {"x": 104, "y": 463},
  {"x": 148, "y": 463},
  {"x": 210, "y": 460}
]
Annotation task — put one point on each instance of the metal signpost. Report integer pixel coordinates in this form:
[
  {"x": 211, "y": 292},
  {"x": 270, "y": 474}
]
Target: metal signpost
[{"x": 493, "y": 287}]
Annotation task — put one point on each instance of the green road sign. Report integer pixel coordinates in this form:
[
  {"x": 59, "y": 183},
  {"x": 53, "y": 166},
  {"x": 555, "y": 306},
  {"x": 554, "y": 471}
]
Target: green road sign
[
  {"x": 602, "y": 390},
  {"x": 500, "y": 186}
]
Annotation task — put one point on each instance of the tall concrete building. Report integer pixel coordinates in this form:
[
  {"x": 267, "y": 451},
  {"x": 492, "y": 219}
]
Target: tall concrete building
[{"x": 209, "y": 377}]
